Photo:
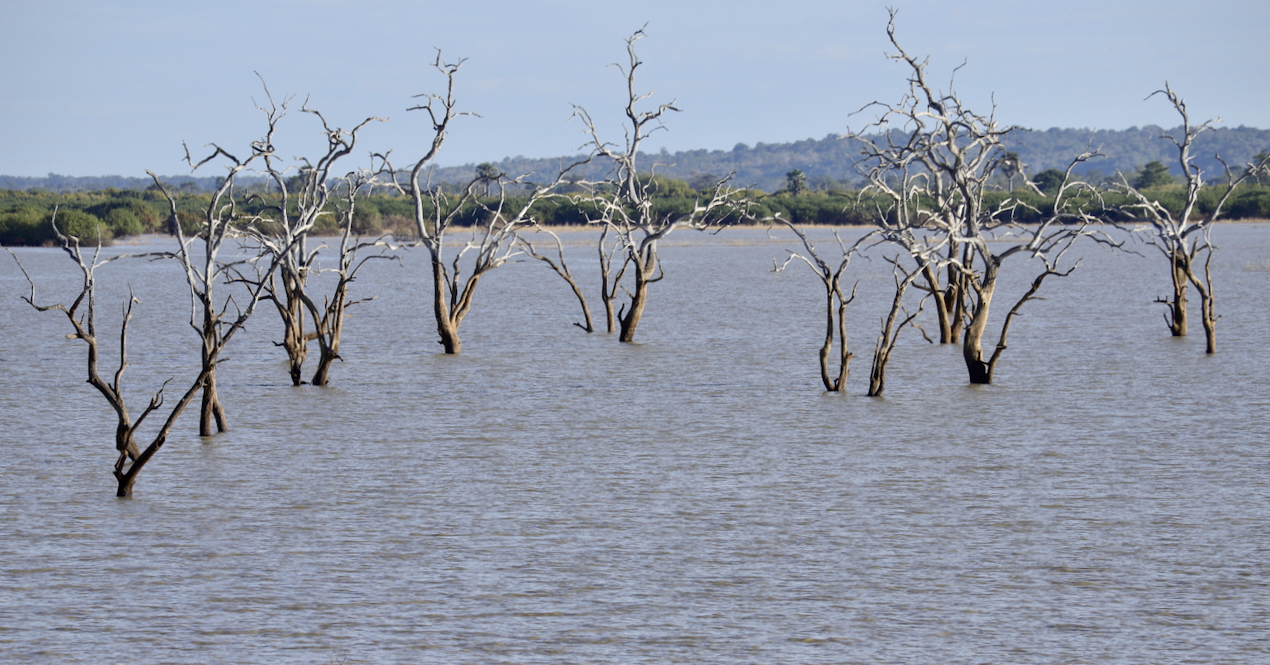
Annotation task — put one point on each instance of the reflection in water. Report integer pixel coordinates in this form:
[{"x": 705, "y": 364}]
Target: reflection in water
[{"x": 552, "y": 496}]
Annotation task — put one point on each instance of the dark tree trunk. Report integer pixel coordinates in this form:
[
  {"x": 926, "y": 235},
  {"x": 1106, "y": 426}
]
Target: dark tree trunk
[
  {"x": 211, "y": 409},
  {"x": 294, "y": 339},
  {"x": 972, "y": 347},
  {"x": 630, "y": 319},
  {"x": 835, "y": 312},
  {"x": 1177, "y": 308}
]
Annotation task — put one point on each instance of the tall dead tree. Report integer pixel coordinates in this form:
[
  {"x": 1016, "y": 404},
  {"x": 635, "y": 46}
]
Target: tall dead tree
[
  {"x": 493, "y": 238},
  {"x": 623, "y": 201},
  {"x": 221, "y": 220},
  {"x": 1185, "y": 238},
  {"x": 284, "y": 233},
  {"x": 934, "y": 171},
  {"x": 82, "y": 315}
]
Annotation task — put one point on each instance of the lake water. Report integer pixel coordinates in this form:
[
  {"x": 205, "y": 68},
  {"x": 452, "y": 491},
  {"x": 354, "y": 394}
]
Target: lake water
[{"x": 557, "y": 497}]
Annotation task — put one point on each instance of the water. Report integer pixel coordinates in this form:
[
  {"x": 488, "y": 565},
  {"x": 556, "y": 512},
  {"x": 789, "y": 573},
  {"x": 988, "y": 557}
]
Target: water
[{"x": 557, "y": 497}]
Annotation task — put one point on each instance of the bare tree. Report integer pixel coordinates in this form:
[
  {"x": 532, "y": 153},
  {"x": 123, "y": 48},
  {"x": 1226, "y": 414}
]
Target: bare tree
[
  {"x": 934, "y": 174},
  {"x": 82, "y": 315},
  {"x": 1185, "y": 239},
  {"x": 329, "y": 318},
  {"x": 303, "y": 199},
  {"x": 608, "y": 250},
  {"x": 624, "y": 199},
  {"x": 492, "y": 240},
  {"x": 834, "y": 367},
  {"x": 220, "y": 220},
  {"x": 890, "y": 330}
]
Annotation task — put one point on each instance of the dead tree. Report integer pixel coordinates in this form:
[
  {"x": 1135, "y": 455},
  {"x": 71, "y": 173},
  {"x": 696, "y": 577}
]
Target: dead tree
[
  {"x": 942, "y": 155},
  {"x": 834, "y": 367},
  {"x": 624, "y": 199},
  {"x": 329, "y": 318},
  {"x": 890, "y": 330},
  {"x": 607, "y": 249},
  {"x": 303, "y": 199},
  {"x": 1185, "y": 239},
  {"x": 219, "y": 221},
  {"x": 82, "y": 315},
  {"x": 493, "y": 239}
]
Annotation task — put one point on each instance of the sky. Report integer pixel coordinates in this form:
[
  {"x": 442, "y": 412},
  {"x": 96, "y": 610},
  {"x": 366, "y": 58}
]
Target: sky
[{"x": 93, "y": 88}]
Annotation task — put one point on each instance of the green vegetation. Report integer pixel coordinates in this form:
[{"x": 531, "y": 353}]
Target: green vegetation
[{"x": 115, "y": 214}]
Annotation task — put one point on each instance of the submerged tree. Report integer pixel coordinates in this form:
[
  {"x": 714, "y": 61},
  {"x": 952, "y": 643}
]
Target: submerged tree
[
  {"x": 1185, "y": 238},
  {"x": 834, "y": 367},
  {"x": 284, "y": 233},
  {"x": 221, "y": 219},
  {"x": 82, "y": 315},
  {"x": 623, "y": 200},
  {"x": 493, "y": 235},
  {"x": 897, "y": 318},
  {"x": 329, "y": 317},
  {"x": 934, "y": 176}
]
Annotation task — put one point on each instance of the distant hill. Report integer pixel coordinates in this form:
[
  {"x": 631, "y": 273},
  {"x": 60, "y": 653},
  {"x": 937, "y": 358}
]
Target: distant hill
[
  {"x": 65, "y": 183},
  {"x": 765, "y": 164},
  {"x": 824, "y": 161}
]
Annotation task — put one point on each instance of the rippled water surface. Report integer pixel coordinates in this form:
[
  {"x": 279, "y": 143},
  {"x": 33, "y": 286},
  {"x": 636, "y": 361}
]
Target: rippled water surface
[{"x": 557, "y": 497}]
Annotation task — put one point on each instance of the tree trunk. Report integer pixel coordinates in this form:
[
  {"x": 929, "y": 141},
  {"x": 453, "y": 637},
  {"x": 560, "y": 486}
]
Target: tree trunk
[
  {"x": 1210, "y": 324},
  {"x": 586, "y": 311},
  {"x": 972, "y": 348},
  {"x": 941, "y": 305},
  {"x": 211, "y": 408},
  {"x": 1177, "y": 308},
  {"x": 446, "y": 328},
  {"x": 294, "y": 340},
  {"x": 630, "y": 320},
  {"x": 890, "y": 335},
  {"x": 1208, "y": 316},
  {"x": 333, "y": 325},
  {"x": 322, "y": 376},
  {"x": 834, "y": 320},
  {"x": 126, "y": 482},
  {"x": 610, "y": 317},
  {"x": 124, "y": 441},
  {"x": 955, "y": 300}
]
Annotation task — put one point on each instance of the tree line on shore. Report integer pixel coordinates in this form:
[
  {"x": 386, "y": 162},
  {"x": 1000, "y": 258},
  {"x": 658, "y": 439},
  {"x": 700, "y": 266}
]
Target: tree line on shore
[
  {"x": 116, "y": 214},
  {"x": 931, "y": 195}
]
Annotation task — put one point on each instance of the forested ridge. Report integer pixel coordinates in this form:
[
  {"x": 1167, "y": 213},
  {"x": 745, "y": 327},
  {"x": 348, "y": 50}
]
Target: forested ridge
[
  {"x": 827, "y": 162},
  {"x": 826, "y": 191}
]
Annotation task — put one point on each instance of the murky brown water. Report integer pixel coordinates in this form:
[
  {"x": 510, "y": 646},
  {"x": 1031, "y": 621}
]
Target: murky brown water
[{"x": 554, "y": 497}]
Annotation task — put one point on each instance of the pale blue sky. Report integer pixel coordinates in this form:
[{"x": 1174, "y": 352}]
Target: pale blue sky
[{"x": 104, "y": 88}]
